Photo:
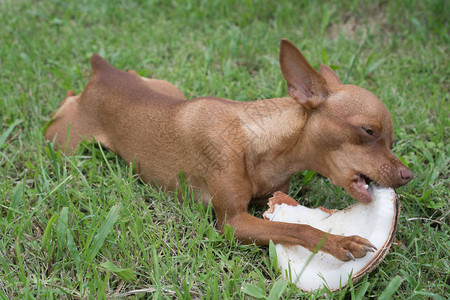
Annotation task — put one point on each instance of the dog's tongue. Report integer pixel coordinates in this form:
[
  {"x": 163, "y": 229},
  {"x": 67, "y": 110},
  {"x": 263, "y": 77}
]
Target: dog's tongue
[{"x": 361, "y": 189}]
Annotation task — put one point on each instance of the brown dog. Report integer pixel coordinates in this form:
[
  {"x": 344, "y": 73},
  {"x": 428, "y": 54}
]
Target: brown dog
[{"x": 234, "y": 152}]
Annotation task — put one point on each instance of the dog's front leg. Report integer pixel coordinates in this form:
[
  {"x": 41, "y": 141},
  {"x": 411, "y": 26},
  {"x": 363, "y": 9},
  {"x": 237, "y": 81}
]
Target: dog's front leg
[{"x": 230, "y": 203}]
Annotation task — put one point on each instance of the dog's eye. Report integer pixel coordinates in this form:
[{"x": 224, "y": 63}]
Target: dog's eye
[{"x": 368, "y": 131}]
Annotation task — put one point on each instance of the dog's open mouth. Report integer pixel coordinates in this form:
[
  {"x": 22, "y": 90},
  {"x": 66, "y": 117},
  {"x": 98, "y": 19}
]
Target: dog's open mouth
[{"x": 360, "y": 185}]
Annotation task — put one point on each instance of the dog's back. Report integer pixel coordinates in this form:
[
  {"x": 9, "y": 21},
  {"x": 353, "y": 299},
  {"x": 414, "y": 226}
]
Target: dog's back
[{"x": 120, "y": 104}]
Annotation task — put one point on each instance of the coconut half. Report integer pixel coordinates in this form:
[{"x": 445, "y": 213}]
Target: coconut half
[{"x": 376, "y": 221}]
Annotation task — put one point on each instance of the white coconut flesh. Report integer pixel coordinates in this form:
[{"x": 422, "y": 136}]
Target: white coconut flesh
[{"x": 376, "y": 221}]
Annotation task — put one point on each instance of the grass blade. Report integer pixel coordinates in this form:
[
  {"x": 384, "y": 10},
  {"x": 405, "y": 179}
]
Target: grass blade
[
  {"x": 15, "y": 201},
  {"x": 277, "y": 289},
  {"x": 253, "y": 291},
  {"x": 106, "y": 228},
  {"x": 65, "y": 238},
  {"x": 362, "y": 291},
  {"x": 17, "y": 247},
  {"x": 61, "y": 229},
  {"x": 46, "y": 236},
  {"x": 125, "y": 274},
  {"x": 391, "y": 288},
  {"x": 8, "y": 131},
  {"x": 353, "y": 61},
  {"x": 273, "y": 256},
  {"x": 375, "y": 65},
  {"x": 73, "y": 250}
]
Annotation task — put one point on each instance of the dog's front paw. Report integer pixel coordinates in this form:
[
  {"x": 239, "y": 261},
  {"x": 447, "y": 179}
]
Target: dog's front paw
[{"x": 352, "y": 247}]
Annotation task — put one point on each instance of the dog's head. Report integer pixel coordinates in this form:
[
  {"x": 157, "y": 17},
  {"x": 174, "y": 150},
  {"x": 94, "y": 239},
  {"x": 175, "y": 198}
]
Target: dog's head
[{"x": 348, "y": 133}]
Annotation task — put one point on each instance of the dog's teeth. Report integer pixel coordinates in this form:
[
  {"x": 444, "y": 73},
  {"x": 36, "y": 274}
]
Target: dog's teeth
[{"x": 366, "y": 186}]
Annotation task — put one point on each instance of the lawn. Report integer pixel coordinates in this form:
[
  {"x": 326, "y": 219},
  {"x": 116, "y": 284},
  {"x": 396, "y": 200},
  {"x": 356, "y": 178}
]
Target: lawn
[{"x": 83, "y": 226}]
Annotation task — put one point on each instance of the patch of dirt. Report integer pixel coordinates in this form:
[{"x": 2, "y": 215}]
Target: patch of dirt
[{"x": 354, "y": 23}]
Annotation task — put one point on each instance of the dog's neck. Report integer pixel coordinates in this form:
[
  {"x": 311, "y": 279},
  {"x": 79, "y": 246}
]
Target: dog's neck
[
  {"x": 272, "y": 125},
  {"x": 275, "y": 137}
]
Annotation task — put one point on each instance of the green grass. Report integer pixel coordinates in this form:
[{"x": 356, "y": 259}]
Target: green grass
[{"x": 83, "y": 226}]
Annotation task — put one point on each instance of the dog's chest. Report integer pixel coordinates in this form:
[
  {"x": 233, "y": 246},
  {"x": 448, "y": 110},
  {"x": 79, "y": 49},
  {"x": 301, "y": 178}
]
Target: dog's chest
[{"x": 267, "y": 182}]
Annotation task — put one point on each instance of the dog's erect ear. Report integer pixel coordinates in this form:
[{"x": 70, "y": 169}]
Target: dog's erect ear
[
  {"x": 305, "y": 85},
  {"x": 330, "y": 76},
  {"x": 99, "y": 64}
]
